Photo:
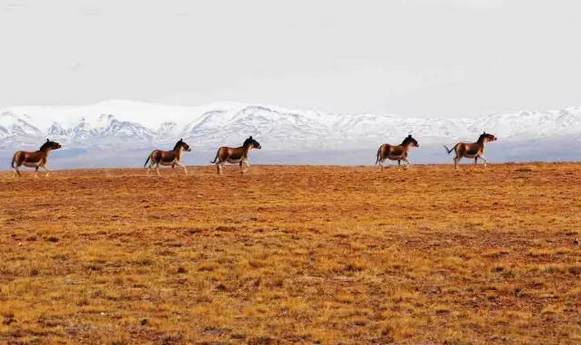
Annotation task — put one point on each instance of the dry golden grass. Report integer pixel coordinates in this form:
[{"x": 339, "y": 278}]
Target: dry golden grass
[{"x": 293, "y": 255}]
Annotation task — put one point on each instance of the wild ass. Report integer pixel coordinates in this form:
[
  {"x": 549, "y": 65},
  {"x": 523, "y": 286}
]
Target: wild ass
[
  {"x": 167, "y": 158},
  {"x": 396, "y": 153},
  {"x": 235, "y": 155},
  {"x": 37, "y": 159},
  {"x": 471, "y": 150}
]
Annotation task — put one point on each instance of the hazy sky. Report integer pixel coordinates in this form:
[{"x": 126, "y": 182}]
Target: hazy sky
[{"x": 412, "y": 57}]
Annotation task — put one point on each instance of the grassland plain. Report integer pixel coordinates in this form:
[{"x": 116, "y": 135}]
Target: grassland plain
[{"x": 293, "y": 254}]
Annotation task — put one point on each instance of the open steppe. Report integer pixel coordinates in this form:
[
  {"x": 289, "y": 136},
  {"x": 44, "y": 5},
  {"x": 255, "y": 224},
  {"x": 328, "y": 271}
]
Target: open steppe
[{"x": 293, "y": 254}]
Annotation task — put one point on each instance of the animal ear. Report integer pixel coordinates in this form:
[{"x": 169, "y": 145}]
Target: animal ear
[
  {"x": 251, "y": 137},
  {"x": 47, "y": 140}
]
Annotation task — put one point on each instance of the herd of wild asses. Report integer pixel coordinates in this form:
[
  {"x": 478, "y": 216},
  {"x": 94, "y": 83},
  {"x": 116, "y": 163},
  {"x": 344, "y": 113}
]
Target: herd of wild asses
[{"x": 239, "y": 155}]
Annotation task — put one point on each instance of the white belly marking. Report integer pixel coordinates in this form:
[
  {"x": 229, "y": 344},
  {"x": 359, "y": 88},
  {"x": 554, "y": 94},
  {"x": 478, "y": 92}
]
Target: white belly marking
[{"x": 31, "y": 165}]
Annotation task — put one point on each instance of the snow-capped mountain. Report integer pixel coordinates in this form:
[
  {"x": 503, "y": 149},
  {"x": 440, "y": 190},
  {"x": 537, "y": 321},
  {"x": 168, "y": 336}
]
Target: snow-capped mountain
[
  {"x": 12, "y": 125},
  {"x": 126, "y": 125},
  {"x": 131, "y": 123}
]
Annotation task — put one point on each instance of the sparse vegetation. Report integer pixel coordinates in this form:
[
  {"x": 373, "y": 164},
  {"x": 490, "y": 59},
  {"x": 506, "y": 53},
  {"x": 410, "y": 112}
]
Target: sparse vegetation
[{"x": 289, "y": 255}]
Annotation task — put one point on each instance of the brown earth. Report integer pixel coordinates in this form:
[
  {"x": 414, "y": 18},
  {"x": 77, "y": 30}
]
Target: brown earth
[{"x": 293, "y": 254}]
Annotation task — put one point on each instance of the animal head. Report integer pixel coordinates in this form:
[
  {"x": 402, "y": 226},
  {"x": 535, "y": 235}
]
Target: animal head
[
  {"x": 486, "y": 137},
  {"x": 252, "y": 143},
  {"x": 183, "y": 145},
  {"x": 50, "y": 145},
  {"x": 409, "y": 140}
]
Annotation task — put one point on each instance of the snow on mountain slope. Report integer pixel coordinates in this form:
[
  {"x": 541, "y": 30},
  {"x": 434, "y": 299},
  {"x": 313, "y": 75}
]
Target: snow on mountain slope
[
  {"x": 13, "y": 125},
  {"x": 131, "y": 125},
  {"x": 532, "y": 125}
]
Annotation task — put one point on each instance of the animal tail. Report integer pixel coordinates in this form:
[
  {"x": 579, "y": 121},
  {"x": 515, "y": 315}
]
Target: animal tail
[
  {"x": 215, "y": 158},
  {"x": 450, "y": 150},
  {"x": 13, "y": 160},
  {"x": 147, "y": 160},
  {"x": 377, "y": 156}
]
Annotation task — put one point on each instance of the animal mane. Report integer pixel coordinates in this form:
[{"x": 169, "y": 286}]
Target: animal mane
[
  {"x": 406, "y": 141},
  {"x": 45, "y": 145},
  {"x": 177, "y": 145}
]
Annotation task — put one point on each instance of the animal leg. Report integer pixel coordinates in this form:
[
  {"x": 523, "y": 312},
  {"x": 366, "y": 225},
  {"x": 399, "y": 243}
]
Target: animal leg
[
  {"x": 46, "y": 170},
  {"x": 399, "y": 163},
  {"x": 151, "y": 167},
  {"x": 381, "y": 165},
  {"x": 183, "y": 166},
  {"x": 476, "y": 160},
  {"x": 408, "y": 164},
  {"x": 36, "y": 172},
  {"x": 17, "y": 172},
  {"x": 246, "y": 164},
  {"x": 157, "y": 169},
  {"x": 456, "y": 160},
  {"x": 484, "y": 159}
]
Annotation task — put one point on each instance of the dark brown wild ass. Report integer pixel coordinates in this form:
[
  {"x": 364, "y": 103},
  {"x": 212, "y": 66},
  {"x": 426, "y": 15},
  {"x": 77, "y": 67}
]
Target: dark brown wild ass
[
  {"x": 37, "y": 159},
  {"x": 396, "y": 153},
  {"x": 167, "y": 158},
  {"x": 235, "y": 155},
  {"x": 471, "y": 150}
]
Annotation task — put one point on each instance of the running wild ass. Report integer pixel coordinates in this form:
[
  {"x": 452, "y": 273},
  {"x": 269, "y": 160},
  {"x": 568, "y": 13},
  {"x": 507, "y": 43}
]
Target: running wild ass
[
  {"x": 235, "y": 155},
  {"x": 396, "y": 153},
  {"x": 37, "y": 159},
  {"x": 471, "y": 150},
  {"x": 167, "y": 158}
]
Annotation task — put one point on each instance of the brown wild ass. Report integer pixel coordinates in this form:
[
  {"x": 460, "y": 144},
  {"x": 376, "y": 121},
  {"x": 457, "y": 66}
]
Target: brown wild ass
[
  {"x": 471, "y": 150},
  {"x": 167, "y": 158},
  {"x": 396, "y": 153},
  {"x": 235, "y": 155},
  {"x": 36, "y": 159}
]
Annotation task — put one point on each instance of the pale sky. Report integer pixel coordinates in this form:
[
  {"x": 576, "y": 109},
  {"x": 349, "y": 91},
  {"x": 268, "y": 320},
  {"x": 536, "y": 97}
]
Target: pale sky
[{"x": 409, "y": 57}]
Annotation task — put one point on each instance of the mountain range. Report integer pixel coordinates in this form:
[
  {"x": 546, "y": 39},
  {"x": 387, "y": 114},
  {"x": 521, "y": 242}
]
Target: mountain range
[{"x": 127, "y": 126}]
